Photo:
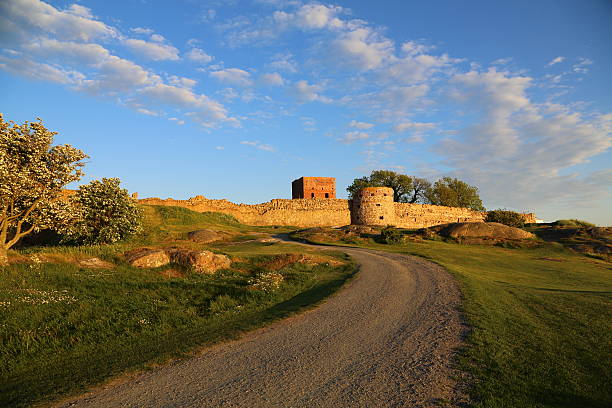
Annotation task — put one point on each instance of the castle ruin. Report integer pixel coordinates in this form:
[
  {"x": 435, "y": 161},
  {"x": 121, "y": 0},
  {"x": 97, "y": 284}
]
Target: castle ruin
[
  {"x": 371, "y": 206},
  {"x": 313, "y": 187}
]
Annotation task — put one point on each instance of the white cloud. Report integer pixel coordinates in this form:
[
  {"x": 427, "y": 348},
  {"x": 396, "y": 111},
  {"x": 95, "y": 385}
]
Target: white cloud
[
  {"x": 363, "y": 48},
  {"x": 415, "y": 68},
  {"x": 413, "y": 48},
  {"x": 157, "y": 38},
  {"x": 234, "y": 76},
  {"x": 151, "y": 50},
  {"x": 360, "y": 125},
  {"x": 87, "y": 53},
  {"x": 283, "y": 62},
  {"x": 140, "y": 30},
  {"x": 40, "y": 71},
  {"x": 304, "y": 92},
  {"x": 318, "y": 16},
  {"x": 177, "y": 120},
  {"x": 272, "y": 79},
  {"x": 391, "y": 102},
  {"x": 80, "y": 11},
  {"x": 28, "y": 18},
  {"x": 581, "y": 66},
  {"x": 556, "y": 61},
  {"x": 182, "y": 81},
  {"x": 118, "y": 75},
  {"x": 198, "y": 55},
  {"x": 417, "y": 127},
  {"x": 201, "y": 108},
  {"x": 259, "y": 145},
  {"x": 518, "y": 151},
  {"x": 351, "y": 137}
]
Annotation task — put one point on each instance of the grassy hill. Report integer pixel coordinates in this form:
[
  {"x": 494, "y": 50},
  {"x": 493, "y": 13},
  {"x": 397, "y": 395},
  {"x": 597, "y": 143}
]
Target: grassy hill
[
  {"x": 541, "y": 319},
  {"x": 65, "y": 326}
]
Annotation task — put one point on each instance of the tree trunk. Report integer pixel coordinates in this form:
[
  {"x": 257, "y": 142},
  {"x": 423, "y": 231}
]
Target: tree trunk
[{"x": 3, "y": 256}]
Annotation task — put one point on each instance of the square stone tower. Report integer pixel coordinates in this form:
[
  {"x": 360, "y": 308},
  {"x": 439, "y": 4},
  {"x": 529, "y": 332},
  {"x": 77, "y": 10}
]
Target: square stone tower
[{"x": 314, "y": 187}]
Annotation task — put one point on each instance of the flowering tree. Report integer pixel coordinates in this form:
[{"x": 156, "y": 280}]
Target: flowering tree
[
  {"x": 32, "y": 176},
  {"x": 104, "y": 212}
]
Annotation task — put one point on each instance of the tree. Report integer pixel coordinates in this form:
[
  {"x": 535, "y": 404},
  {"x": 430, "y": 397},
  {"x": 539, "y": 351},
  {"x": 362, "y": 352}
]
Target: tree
[
  {"x": 400, "y": 183},
  {"x": 106, "y": 213},
  {"x": 420, "y": 186},
  {"x": 33, "y": 174},
  {"x": 452, "y": 192}
]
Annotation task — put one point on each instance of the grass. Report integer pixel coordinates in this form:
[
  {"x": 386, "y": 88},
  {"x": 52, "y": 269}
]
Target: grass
[
  {"x": 541, "y": 323},
  {"x": 65, "y": 328}
]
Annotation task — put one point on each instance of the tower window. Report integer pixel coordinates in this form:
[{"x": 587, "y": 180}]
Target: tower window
[
  {"x": 381, "y": 217},
  {"x": 378, "y": 205},
  {"x": 326, "y": 195},
  {"x": 311, "y": 195}
]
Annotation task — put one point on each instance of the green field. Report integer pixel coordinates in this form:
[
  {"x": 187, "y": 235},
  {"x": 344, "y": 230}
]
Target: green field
[
  {"x": 66, "y": 327},
  {"x": 541, "y": 322}
]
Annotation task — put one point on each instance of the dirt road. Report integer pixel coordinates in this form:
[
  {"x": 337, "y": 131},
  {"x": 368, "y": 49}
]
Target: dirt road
[{"x": 385, "y": 340}]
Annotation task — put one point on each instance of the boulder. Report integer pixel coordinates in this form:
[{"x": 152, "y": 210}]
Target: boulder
[
  {"x": 201, "y": 261},
  {"x": 483, "y": 230},
  {"x": 95, "y": 263},
  {"x": 147, "y": 257},
  {"x": 204, "y": 236},
  {"x": 268, "y": 240}
]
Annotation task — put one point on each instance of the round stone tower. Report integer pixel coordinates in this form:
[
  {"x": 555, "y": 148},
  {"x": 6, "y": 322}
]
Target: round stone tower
[{"x": 373, "y": 206}]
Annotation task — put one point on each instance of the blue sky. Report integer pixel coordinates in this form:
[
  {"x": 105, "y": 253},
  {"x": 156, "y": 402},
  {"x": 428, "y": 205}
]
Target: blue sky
[{"x": 235, "y": 99}]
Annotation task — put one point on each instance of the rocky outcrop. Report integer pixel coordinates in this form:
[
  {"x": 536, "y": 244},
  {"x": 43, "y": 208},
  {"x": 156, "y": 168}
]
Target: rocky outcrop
[
  {"x": 200, "y": 261},
  {"x": 147, "y": 257},
  {"x": 95, "y": 263},
  {"x": 482, "y": 230},
  {"x": 204, "y": 236}
]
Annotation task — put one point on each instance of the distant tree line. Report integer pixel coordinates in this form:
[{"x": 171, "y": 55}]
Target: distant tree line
[{"x": 447, "y": 191}]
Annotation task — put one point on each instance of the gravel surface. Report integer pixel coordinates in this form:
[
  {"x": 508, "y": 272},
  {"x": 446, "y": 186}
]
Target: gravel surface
[{"x": 387, "y": 339}]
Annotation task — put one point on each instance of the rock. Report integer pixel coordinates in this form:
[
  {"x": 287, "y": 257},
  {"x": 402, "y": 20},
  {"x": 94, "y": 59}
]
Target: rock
[
  {"x": 483, "y": 230},
  {"x": 147, "y": 257},
  {"x": 204, "y": 236},
  {"x": 268, "y": 240},
  {"x": 201, "y": 261},
  {"x": 95, "y": 263}
]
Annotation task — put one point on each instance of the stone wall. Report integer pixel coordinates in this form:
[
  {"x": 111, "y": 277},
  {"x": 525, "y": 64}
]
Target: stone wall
[
  {"x": 297, "y": 212},
  {"x": 330, "y": 212},
  {"x": 425, "y": 215}
]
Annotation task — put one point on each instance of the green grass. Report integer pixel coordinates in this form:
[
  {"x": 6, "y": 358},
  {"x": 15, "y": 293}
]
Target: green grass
[
  {"x": 573, "y": 223},
  {"x": 541, "y": 323},
  {"x": 65, "y": 328}
]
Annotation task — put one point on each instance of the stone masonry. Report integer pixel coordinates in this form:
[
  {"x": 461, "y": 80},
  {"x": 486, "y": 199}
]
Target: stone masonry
[{"x": 313, "y": 187}]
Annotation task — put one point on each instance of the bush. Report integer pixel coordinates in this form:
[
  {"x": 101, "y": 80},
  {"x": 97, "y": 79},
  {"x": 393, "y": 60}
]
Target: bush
[
  {"x": 573, "y": 223},
  {"x": 391, "y": 235},
  {"x": 506, "y": 217},
  {"x": 105, "y": 213}
]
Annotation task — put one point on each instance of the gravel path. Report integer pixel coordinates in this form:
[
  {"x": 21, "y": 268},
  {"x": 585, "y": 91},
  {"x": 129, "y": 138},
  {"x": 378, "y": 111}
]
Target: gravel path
[{"x": 385, "y": 340}]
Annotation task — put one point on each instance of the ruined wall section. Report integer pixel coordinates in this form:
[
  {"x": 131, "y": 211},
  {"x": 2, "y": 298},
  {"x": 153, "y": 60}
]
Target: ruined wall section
[
  {"x": 333, "y": 212},
  {"x": 425, "y": 215},
  {"x": 297, "y": 212}
]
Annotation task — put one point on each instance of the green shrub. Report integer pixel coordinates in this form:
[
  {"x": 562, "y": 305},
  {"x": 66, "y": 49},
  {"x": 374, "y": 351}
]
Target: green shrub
[
  {"x": 506, "y": 217},
  {"x": 391, "y": 235},
  {"x": 104, "y": 213},
  {"x": 573, "y": 223}
]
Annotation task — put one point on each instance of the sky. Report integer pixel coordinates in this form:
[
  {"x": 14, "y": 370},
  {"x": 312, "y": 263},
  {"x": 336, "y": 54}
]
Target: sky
[{"x": 236, "y": 98}]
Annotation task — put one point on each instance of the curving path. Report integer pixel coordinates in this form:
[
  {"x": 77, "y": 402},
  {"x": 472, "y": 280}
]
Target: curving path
[{"x": 385, "y": 340}]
